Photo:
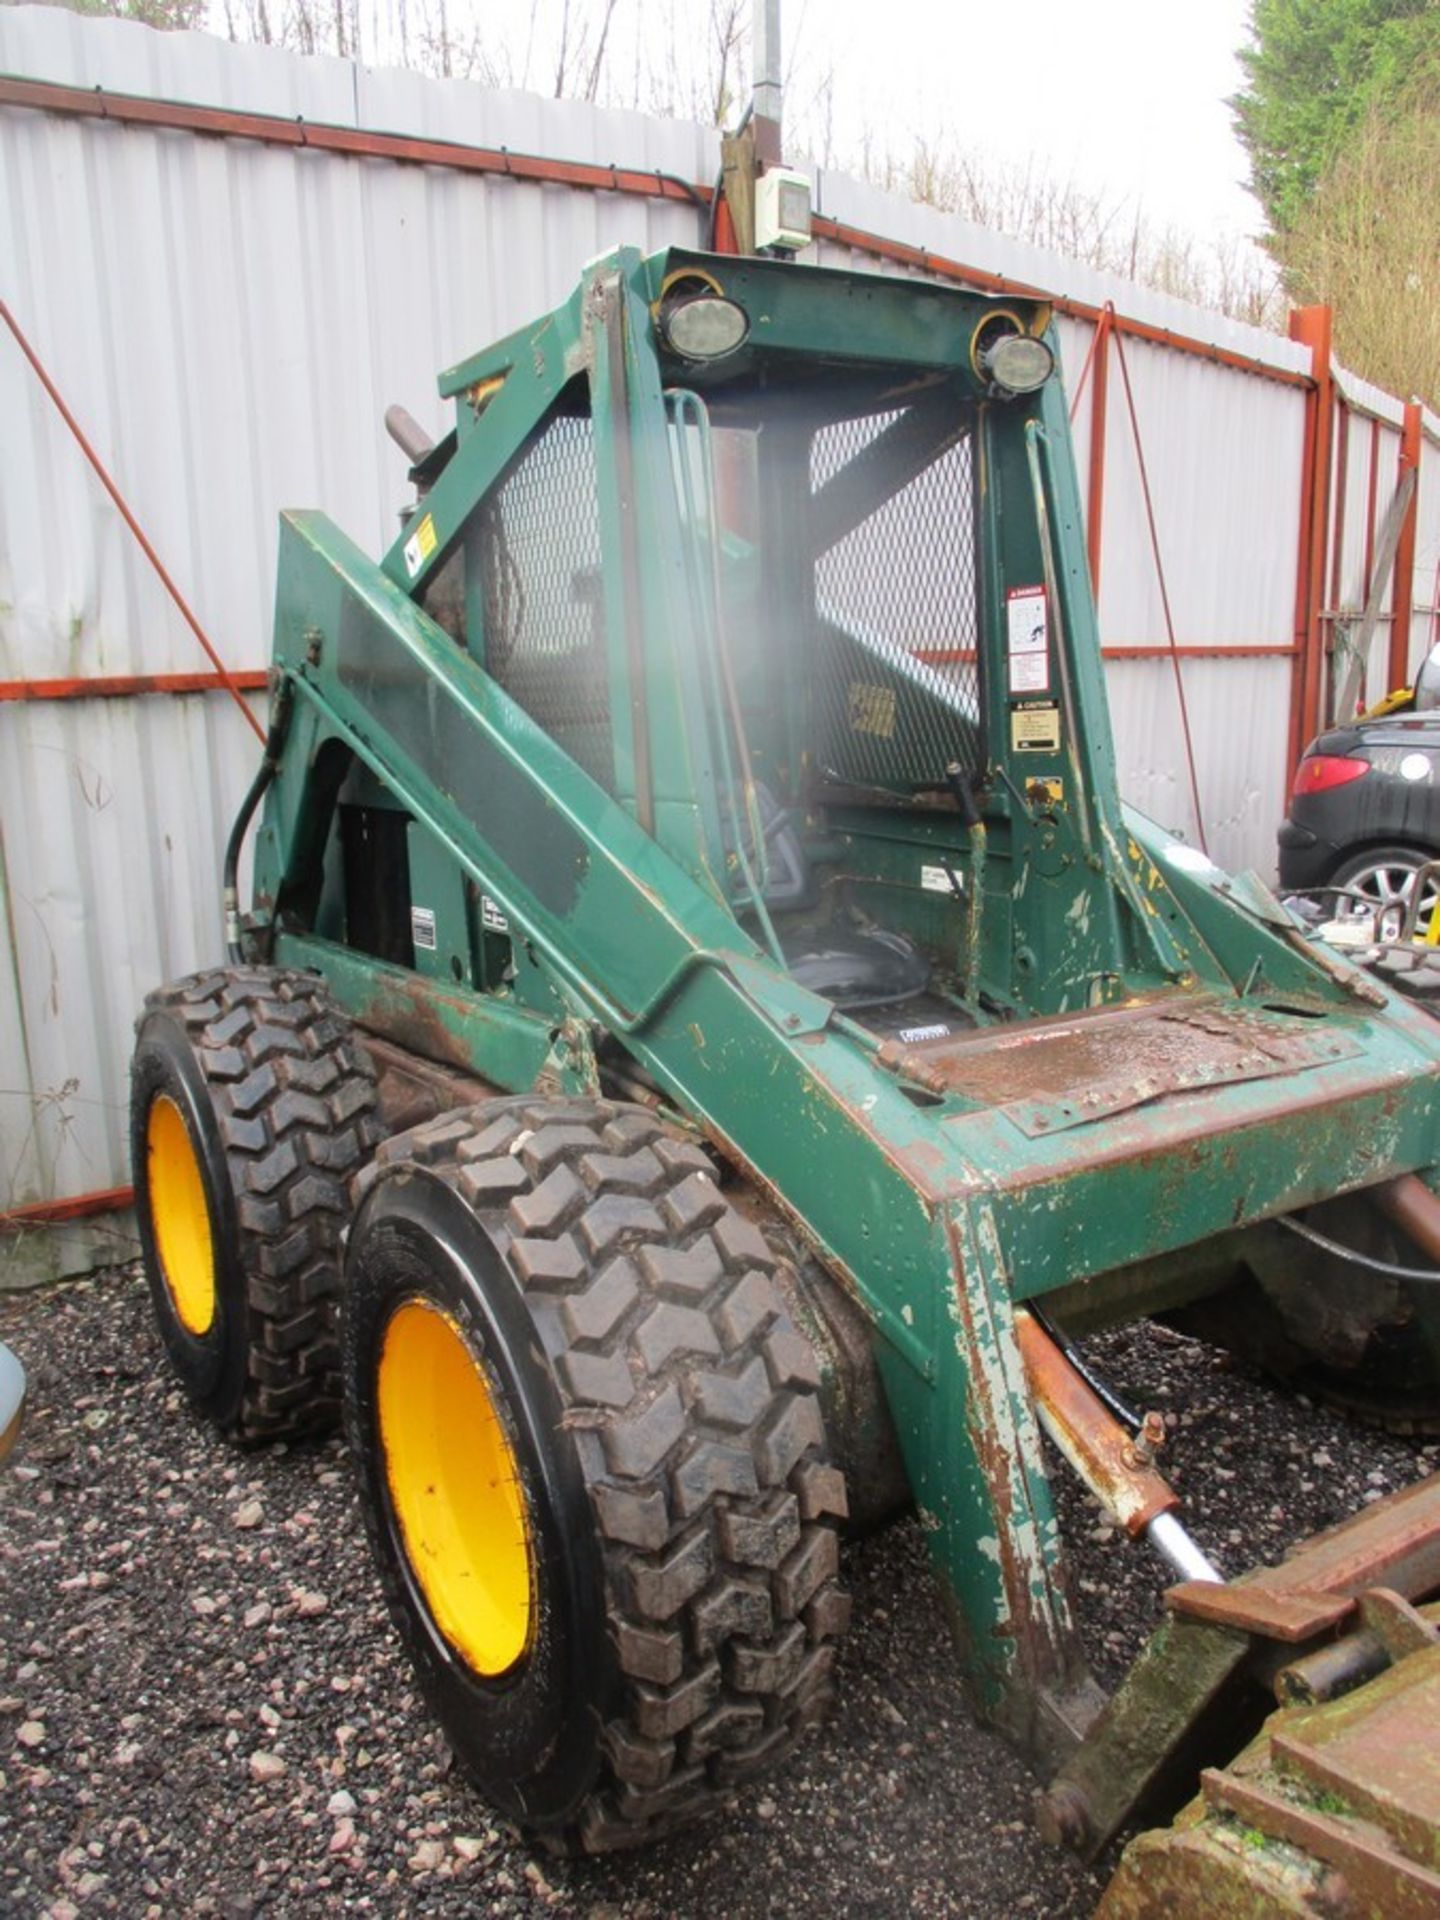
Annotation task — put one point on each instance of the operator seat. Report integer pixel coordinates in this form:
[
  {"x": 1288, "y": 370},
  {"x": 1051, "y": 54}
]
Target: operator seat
[{"x": 851, "y": 965}]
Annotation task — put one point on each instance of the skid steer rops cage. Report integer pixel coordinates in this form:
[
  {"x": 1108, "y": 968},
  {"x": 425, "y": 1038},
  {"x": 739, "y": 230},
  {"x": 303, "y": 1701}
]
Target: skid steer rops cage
[{"x": 699, "y": 954}]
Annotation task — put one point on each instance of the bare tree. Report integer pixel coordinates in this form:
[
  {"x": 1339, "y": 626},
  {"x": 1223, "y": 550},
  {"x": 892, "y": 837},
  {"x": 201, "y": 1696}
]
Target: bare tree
[
  {"x": 1106, "y": 232},
  {"x": 690, "y": 59},
  {"x": 166, "y": 15}
]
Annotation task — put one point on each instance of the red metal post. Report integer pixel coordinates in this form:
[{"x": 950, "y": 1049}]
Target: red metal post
[
  {"x": 1295, "y": 733},
  {"x": 1313, "y": 326},
  {"x": 1403, "y": 595}
]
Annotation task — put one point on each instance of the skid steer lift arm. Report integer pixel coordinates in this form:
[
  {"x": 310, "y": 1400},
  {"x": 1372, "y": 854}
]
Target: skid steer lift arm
[{"x": 725, "y": 737}]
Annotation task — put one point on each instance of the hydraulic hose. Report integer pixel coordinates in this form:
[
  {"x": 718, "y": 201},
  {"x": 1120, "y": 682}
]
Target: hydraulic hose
[
  {"x": 1390, "y": 1268},
  {"x": 269, "y": 764},
  {"x": 1102, "y": 1391}
]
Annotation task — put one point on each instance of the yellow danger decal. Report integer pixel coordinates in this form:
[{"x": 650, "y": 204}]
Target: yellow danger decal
[
  {"x": 421, "y": 544},
  {"x": 1035, "y": 729}
]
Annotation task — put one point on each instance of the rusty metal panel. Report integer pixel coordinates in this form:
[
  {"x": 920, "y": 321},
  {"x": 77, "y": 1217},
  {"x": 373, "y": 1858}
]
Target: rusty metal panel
[{"x": 1053, "y": 1074}]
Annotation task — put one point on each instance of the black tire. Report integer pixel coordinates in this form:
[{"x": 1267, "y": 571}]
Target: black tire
[
  {"x": 254, "y": 1073},
  {"x": 1361, "y": 1342},
  {"x": 1383, "y": 877},
  {"x": 663, "y": 1421}
]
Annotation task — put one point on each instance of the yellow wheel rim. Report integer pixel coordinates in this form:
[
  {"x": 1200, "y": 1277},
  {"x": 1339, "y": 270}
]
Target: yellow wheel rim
[
  {"x": 455, "y": 1488},
  {"x": 180, "y": 1216}
]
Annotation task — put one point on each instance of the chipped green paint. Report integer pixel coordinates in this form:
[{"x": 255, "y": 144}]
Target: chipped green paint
[{"x": 938, "y": 1194}]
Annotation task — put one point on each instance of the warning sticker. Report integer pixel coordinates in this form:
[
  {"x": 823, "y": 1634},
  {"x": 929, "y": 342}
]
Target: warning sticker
[
  {"x": 1029, "y": 673},
  {"x": 422, "y": 927},
  {"x": 941, "y": 880},
  {"x": 419, "y": 547},
  {"x": 915, "y": 1036},
  {"x": 1035, "y": 727},
  {"x": 1026, "y": 619},
  {"x": 491, "y": 918},
  {"x": 1028, "y": 639}
]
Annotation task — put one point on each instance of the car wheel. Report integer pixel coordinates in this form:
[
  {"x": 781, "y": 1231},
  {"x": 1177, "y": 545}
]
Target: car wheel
[{"x": 1384, "y": 876}]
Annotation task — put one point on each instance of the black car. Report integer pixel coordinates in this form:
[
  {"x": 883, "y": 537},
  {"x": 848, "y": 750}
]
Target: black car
[{"x": 1365, "y": 804}]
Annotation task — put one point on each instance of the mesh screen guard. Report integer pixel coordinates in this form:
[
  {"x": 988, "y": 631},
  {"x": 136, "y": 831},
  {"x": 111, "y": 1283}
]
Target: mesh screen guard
[
  {"x": 539, "y": 543},
  {"x": 893, "y": 671},
  {"x": 897, "y": 680}
]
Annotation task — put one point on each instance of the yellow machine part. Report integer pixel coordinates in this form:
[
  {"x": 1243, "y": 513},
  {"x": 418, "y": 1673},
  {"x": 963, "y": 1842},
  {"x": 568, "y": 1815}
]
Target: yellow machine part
[
  {"x": 455, "y": 1488},
  {"x": 180, "y": 1216},
  {"x": 1391, "y": 703}
]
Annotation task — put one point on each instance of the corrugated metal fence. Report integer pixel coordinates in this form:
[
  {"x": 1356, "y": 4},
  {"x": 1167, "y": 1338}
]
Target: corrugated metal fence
[{"x": 228, "y": 303}]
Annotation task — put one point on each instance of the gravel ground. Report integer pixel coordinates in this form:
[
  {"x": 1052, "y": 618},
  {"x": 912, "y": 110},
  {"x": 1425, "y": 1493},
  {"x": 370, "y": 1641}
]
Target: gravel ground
[{"x": 202, "y": 1711}]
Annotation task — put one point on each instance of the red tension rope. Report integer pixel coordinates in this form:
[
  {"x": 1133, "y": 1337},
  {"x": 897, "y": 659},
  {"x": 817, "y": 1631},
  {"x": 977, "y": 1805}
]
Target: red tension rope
[
  {"x": 1164, "y": 592},
  {"x": 131, "y": 522}
]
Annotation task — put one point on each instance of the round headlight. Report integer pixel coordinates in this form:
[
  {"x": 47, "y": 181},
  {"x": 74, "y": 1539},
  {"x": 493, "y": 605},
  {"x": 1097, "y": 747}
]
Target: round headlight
[
  {"x": 704, "y": 327},
  {"x": 1018, "y": 362}
]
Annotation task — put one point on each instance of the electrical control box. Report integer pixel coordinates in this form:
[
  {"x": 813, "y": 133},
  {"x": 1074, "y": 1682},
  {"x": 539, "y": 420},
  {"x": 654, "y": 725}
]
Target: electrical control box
[{"x": 782, "y": 211}]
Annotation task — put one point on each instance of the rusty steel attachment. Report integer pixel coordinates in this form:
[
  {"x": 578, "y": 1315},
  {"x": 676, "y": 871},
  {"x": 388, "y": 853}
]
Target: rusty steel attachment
[
  {"x": 1392, "y": 1629},
  {"x": 1334, "y": 1810},
  {"x": 1372, "y": 1579}
]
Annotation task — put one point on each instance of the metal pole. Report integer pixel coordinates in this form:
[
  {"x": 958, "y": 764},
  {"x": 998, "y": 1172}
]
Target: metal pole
[
  {"x": 1173, "y": 1544},
  {"x": 767, "y": 87}
]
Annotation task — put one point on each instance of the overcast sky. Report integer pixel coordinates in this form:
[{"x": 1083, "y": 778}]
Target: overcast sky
[{"x": 1124, "y": 95}]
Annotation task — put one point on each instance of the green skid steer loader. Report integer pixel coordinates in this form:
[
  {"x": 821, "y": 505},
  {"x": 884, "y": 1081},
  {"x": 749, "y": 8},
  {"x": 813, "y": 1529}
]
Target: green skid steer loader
[{"x": 705, "y": 1039}]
